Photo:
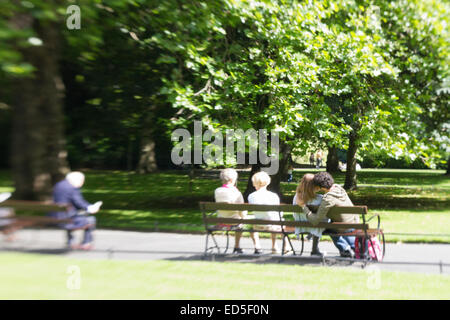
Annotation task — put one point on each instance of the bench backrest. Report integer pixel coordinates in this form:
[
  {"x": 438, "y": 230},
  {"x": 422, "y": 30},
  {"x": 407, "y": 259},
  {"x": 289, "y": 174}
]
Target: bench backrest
[
  {"x": 213, "y": 206},
  {"x": 38, "y": 206}
]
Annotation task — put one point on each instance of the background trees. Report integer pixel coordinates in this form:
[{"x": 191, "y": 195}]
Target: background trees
[{"x": 370, "y": 77}]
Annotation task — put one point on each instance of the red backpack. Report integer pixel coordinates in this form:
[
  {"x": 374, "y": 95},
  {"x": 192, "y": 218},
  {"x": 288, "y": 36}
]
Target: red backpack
[{"x": 371, "y": 247}]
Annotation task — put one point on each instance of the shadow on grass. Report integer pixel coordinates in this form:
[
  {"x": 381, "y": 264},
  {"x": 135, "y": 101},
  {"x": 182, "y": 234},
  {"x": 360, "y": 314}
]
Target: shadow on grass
[{"x": 303, "y": 260}]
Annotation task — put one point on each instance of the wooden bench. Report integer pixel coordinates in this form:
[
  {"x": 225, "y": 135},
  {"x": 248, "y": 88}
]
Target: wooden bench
[
  {"x": 213, "y": 223},
  {"x": 22, "y": 221}
]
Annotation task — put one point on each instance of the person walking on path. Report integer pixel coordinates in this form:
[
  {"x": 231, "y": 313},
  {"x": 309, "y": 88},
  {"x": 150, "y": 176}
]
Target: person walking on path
[
  {"x": 290, "y": 173},
  {"x": 311, "y": 159},
  {"x": 319, "y": 156}
]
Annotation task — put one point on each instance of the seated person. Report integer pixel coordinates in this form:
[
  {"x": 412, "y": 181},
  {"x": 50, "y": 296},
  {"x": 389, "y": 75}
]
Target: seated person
[
  {"x": 230, "y": 194},
  {"x": 334, "y": 195},
  {"x": 8, "y": 225},
  {"x": 260, "y": 181},
  {"x": 305, "y": 195},
  {"x": 67, "y": 191}
]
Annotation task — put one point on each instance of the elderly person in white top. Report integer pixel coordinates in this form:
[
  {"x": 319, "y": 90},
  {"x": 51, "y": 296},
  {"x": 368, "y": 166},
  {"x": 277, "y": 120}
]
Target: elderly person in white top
[
  {"x": 260, "y": 181},
  {"x": 230, "y": 194}
]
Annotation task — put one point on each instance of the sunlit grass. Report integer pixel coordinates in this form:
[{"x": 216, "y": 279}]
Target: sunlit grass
[{"x": 28, "y": 276}]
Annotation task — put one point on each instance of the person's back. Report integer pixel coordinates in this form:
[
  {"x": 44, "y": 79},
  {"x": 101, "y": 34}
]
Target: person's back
[
  {"x": 337, "y": 196},
  {"x": 229, "y": 194},
  {"x": 264, "y": 196},
  {"x": 260, "y": 181},
  {"x": 66, "y": 193}
]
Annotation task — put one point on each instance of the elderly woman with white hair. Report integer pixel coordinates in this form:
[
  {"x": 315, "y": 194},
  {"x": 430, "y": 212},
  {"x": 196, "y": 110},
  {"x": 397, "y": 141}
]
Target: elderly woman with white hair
[
  {"x": 260, "y": 181},
  {"x": 68, "y": 192},
  {"x": 230, "y": 194}
]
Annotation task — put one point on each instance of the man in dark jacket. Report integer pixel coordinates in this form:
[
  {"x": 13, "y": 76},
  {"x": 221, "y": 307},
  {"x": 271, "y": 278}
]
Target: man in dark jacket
[{"x": 68, "y": 192}]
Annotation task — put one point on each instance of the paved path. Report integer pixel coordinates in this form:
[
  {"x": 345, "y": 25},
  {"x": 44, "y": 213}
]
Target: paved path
[{"x": 423, "y": 258}]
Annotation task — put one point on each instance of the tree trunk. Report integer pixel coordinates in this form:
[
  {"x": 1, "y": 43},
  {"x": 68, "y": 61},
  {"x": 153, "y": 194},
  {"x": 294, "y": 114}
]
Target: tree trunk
[
  {"x": 332, "y": 160},
  {"x": 38, "y": 155},
  {"x": 147, "y": 162},
  {"x": 250, "y": 188},
  {"x": 350, "y": 176},
  {"x": 285, "y": 157},
  {"x": 147, "y": 159},
  {"x": 275, "y": 184}
]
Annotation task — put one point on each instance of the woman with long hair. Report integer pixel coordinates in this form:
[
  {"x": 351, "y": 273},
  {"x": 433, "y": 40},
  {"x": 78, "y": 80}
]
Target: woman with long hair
[{"x": 306, "y": 195}]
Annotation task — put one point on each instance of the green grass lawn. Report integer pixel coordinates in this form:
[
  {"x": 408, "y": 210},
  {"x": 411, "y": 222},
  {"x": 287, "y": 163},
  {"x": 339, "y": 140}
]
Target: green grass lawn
[
  {"x": 409, "y": 201},
  {"x": 29, "y": 276}
]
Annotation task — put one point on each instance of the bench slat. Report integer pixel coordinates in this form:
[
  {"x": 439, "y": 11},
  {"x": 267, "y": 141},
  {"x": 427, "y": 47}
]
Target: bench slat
[
  {"x": 358, "y": 233},
  {"x": 20, "y": 205},
  {"x": 41, "y": 220},
  {"x": 249, "y": 207},
  {"x": 334, "y": 225},
  {"x": 348, "y": 210},
  {"x": 212, "y": 206}
]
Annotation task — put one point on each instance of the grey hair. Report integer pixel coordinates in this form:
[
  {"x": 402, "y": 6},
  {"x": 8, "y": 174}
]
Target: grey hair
[{"x": 227, "y": 175}]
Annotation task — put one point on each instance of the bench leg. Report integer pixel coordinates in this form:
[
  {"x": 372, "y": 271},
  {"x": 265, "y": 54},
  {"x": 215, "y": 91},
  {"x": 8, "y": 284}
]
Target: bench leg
[
  {"x": 215, "y": 242},
  {"x": 290, "y": 243},
  {"x": 228, "y": 242},
  {"x": 209, "y": 233},
  {"x": 303, "y": 245},
  {"x": 206, "y": 243}
]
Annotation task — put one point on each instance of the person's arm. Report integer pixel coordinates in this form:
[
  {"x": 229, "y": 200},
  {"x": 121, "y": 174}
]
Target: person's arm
[
  {"x": 321, "y": 212},
  {"x": 78, "y": 201},
  {"x": 240, "y": 200}
]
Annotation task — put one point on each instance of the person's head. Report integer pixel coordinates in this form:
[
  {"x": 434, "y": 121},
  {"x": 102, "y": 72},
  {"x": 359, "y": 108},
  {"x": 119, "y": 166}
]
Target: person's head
[
  {"x": 305, "y": 190},
  {"x": 76, "y": 179},
  {"x": 323, "y": 181},
  {"x": 260, "y": 180},
  {"x": 228, "y": 176}
]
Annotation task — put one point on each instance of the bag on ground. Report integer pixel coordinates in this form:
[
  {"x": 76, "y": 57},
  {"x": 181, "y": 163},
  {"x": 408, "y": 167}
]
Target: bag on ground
[{"x": 373, "y": 247}]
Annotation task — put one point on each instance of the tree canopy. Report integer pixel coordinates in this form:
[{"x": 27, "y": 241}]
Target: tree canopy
[{"x": 370, "y": 77}]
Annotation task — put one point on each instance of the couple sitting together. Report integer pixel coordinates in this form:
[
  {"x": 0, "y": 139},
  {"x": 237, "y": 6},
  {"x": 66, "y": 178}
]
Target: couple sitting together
[
  {"x": 306, "y": 194},
  {"x": 333, "y": 195}
]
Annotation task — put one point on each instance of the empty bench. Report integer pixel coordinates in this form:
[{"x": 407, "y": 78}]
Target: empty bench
[
  {"x": 214, "y": 224},
  {"x": 15, "y": 222}
]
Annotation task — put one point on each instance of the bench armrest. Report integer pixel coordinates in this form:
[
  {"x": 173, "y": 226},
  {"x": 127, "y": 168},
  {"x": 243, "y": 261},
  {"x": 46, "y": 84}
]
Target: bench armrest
[{"x": 378, "y": 217}]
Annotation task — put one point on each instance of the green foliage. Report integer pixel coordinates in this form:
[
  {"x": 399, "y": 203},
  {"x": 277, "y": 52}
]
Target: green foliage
[{"x": 313, "y": 71}]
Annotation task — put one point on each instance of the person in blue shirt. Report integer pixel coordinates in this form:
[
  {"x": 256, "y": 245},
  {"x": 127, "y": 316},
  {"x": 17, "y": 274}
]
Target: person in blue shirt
[{"x": 68, "y": 192}]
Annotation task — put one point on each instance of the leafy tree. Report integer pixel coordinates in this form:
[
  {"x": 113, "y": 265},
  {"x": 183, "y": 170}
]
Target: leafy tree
[{"x": 30, "y": 63}]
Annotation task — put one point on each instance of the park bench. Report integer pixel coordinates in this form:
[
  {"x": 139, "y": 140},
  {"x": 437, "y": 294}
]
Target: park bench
[
  {"x": 214, "y": 224},
  {"x": 21, "y": 221}
]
